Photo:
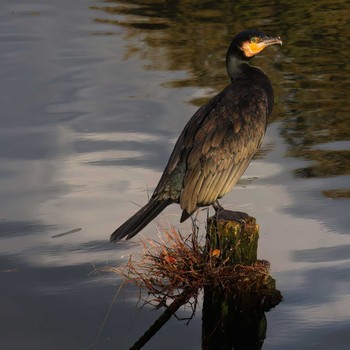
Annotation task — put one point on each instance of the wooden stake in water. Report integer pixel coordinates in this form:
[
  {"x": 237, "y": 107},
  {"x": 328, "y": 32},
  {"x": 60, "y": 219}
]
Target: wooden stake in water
[{"x": 234, "y": 315}]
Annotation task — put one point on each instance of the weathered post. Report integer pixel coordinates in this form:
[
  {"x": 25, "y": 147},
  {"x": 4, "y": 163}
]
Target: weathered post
[
  {"x": 234, "y": 236},
  {"x": 238, "y": 289},
  {"x": 234, "y": 311}
]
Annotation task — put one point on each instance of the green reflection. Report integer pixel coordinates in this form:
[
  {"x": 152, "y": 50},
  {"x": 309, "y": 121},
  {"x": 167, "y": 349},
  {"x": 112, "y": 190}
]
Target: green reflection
[
  {"x": 334, "y": 194},
  {"x": 329, "y": 163},
  {"x": 310, "y": 75},
  {"x": 191, "y": 36}
]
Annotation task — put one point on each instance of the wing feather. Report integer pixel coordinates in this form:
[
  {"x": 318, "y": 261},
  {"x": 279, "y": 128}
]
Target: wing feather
[
  {"x": 232, "y": 136},
  {"x": 215, "y": 148}
]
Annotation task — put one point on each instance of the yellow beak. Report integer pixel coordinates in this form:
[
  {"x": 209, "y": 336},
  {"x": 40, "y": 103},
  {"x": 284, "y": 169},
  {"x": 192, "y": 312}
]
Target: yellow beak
[{"x": 251, "y": 49}]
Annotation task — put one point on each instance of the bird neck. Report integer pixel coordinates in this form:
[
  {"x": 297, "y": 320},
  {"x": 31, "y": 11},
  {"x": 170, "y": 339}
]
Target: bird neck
[
  {"x": 239, "y": 69},
  {"x": 236, "y": 67}
]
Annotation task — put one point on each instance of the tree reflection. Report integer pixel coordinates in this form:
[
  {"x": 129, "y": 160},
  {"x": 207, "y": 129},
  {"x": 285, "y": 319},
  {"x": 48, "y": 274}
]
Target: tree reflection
[
  {"x": 311, "y": 80},
  {"x": 189, "y": 36}
]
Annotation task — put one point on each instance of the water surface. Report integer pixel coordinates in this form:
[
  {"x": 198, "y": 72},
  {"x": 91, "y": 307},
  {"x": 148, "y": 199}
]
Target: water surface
[{"x": 94, "y": 95}]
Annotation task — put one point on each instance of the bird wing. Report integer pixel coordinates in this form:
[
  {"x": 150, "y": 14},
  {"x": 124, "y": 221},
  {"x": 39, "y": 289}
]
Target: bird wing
[
  {"x": 215, "y": 148},
  {"x": 223, "y": 146},
  {"x": 171, "y": 182}
]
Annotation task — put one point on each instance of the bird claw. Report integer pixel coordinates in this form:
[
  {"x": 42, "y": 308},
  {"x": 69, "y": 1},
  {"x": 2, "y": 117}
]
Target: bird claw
[{"x": 217, "y": 207}]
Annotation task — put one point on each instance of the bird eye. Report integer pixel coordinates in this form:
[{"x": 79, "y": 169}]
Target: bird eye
[{"x": 255, "y": 40}]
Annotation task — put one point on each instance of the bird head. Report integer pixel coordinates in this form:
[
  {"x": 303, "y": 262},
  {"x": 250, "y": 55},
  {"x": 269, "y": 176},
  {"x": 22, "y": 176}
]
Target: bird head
[{"x": 248, "y": 43}]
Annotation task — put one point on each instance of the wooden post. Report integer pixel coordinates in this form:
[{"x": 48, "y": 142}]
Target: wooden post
[
  {"x": 234, "y": 237},
  {"x": 238, "y": 289},
  {"x": 236, "y": 320}
]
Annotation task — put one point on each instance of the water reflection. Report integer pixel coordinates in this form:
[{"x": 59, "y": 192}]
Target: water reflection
[
  {"x": 205, "y": 29},
  {"x": 91, "y": 106},
  {"x": 312, "y": 84},
  {"x": 323, "y": 254}
]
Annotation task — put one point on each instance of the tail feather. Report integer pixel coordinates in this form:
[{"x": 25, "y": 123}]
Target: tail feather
[
  {"x": 138, "y": 221},
  {"x": 186, "y": 215}
]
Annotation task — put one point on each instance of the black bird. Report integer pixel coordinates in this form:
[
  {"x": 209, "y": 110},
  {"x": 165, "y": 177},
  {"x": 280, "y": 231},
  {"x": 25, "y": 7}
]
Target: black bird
[{"x": 218, "y": 142}]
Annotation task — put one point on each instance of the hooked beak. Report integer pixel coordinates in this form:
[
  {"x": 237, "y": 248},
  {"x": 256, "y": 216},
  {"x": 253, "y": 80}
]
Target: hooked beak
[
  {"x": 267, "y": 41},
  {"x": 250, "y": 49}
]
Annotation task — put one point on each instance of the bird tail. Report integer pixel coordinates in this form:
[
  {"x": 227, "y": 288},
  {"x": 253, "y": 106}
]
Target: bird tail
[{"x": 138, "y": 221}]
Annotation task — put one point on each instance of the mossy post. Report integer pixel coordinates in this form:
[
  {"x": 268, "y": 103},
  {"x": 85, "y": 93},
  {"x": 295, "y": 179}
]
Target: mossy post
[
  {"x": 233, "y": 237},
  {"x": 234, "y": 315}
]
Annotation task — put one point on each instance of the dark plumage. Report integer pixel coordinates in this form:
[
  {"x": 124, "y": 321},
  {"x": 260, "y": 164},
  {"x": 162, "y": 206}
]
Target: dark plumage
[{"x": 218, "y": 142}]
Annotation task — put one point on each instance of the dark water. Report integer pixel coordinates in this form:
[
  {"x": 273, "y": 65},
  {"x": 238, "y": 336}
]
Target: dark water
[{"x": 93, "y": 96}]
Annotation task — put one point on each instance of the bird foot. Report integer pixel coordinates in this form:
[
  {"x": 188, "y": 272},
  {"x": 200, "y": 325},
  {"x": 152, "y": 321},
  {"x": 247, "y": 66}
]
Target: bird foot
[
  {"x": 237, "y": 216},
  {"x": 217, "y": 207}
]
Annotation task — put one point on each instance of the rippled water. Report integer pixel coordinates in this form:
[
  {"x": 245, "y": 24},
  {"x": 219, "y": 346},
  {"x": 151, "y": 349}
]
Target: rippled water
[{"x": 93, "y": 97}]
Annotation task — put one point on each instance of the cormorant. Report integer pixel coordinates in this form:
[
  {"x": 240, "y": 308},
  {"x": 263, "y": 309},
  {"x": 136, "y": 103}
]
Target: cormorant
[{"x": 218, "y": 142}]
